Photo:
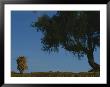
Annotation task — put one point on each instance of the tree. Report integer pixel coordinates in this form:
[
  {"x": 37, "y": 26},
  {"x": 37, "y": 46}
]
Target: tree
[
  {"x": 76, "y": 31},
  {"x": 22, "y": 64}
]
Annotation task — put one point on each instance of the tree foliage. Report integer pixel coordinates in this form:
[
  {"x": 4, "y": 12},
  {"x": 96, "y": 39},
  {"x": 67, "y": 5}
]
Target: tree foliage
[
  {"x": 21, "y": 64},
  {"x": 71, "y": 30},
  {"x": 75, "y": 31}
]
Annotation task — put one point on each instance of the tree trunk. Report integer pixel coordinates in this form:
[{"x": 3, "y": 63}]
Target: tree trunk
[
  {"x": 21, "y": 71},
  {"x": 92, "y": 63},
  {"x": 89, "y": 52}
]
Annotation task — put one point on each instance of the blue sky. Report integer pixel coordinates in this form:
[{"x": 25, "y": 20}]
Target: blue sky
[{"x": 25, "y": 41}]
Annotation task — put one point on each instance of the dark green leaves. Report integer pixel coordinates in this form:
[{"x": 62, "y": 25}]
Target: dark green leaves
[{"x": 75, "y": 31}]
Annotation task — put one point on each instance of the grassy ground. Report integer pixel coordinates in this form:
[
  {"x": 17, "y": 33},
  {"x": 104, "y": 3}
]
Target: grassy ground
[{"x": 56, "y": 74}]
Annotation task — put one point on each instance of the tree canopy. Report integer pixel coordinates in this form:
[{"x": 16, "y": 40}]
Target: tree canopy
[
  {"x": 21, "y": 64},
  {"x": 75, "y": 31}
]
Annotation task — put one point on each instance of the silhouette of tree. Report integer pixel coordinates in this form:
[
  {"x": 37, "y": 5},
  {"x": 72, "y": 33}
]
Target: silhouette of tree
[{"x": 76, "y": 31}]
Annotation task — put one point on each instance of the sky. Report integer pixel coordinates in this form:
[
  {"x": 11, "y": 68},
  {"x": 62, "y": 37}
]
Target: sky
[{"x": 25, "y": 41}]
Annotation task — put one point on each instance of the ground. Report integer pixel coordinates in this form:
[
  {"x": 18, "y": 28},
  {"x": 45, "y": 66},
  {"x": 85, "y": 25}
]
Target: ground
[{"x": 56, "y": 74}]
